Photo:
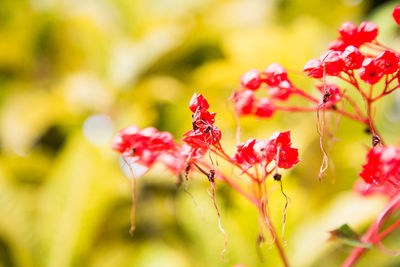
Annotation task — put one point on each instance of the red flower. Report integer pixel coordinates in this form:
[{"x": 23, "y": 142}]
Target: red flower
[
  {"x": 314, "y": 68},
  {"x": 280, "y": 142},
  {"x": 370, "y": 72},
  {"x": 366, "y": 189},
  {"x": 202, "y": 138},
  {"x": 274, "y": 74},
  {"x": 337, "y": 45},
  {"x": 352, "y": 58},
  {"x": 383, "y": 167},
  {"x": 255, "y": 151},
  {"x": 251, "y": 80},
  {"x": 349, "y": 32},
  {"x": 246, "y": 155},
  {"x": 243, "y": 102},
  {"x": 367, "y": 32},
  {"x": 396, "y": 14},
  {"x": 332, "y": 62},
  {"x": 282, "y": 91},
  {"x": 198, "y": 101},
  {"x": 203, "y": 134},
  {"x": 202, "y": 118},
  {"x": 388, "y": 62},
  {"x": 264, "y": 108},
  {"x": 145, "y": 145}
]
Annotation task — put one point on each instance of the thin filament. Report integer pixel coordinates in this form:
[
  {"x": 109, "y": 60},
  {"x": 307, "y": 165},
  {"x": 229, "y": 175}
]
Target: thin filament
[
  {"x": 211, "y": 192},
  {"x": 321, "y": 131},
  {"x": 133, "y": 192}
]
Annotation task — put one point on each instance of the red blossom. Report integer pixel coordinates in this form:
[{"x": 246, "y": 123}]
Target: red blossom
[
  {"x": 370, "y": 72},
  {"x": 245, "y": 154},
  {"x": 383, "y": 168},
  {"x": 251, "y": 80},
  {"x": 352, "y": 58},
  {"x": 198, "y": 101},
  {"x": 288, "y": 156},
  {"x": 282, "y": 91},
  {"x": 264, "y": 108},
  {"x": 274, "y": 74},
  {"x": 203, "y": 133},
  {"x": 349, "y": 32},
  {"x": 202, "y": 138},
  {"x": 243, "y": 102},
  {"x": 332, "y": 62},
  {"x": 366, "y": 189},
  {"x": 367, "y": 32},
  {"x": 314, "y": 68},
  {"x": 255, "y": 151},
  {"x": 202, "y": 118},
  {"x": 388, "y": 62},
  {"x": 338, "y": 45},
  {"x": 396, "y": 14},
  {"x": 144, "y": 146}
]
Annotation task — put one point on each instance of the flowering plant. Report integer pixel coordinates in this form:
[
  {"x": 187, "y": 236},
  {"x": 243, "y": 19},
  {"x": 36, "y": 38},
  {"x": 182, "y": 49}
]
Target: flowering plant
[{"x": 356, "y": 58}]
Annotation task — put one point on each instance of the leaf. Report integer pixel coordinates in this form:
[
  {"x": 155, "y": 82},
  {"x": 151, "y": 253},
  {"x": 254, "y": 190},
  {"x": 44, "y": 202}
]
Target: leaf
[{"x": 348, "y": 236}]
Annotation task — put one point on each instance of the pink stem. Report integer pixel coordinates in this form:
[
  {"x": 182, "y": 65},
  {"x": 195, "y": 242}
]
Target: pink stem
[{"x": 372, "y": 235}]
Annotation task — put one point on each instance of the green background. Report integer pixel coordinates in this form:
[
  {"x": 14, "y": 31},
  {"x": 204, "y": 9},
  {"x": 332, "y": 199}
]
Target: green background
[{"x": 64, "y": 200}]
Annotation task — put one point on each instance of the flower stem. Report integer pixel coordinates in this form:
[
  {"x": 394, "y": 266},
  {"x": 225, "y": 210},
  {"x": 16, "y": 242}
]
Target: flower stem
[{"x": 269, "y": 226}]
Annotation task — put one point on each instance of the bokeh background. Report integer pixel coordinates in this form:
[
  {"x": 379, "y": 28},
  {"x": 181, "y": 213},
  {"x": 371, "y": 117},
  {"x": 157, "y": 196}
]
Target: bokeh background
[{"x": 72, "y": 73}]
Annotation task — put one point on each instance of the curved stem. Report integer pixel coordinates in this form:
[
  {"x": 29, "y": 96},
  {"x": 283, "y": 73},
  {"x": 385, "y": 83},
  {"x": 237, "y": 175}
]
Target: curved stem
[
  {"x": 269, "y": 226},
  {"x": 339, "y": 111},
  {"x": 226, "y": 157},
  {"x": 305, "y": 95},
  {"x": 372, "y": 235}
]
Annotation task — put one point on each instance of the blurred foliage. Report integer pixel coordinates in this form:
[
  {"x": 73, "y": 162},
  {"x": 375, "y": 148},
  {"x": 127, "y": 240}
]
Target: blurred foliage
[{"x": 65, "y": 64}]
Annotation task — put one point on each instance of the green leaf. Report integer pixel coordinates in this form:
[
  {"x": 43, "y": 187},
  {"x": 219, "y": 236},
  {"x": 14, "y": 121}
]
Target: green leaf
[{"x": 348, "y": 236}]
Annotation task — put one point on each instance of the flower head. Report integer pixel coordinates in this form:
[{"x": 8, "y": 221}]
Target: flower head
[
  {"x": 314, "y": 68},
  {"x": 396, "y": 14},
  {"x": 274, "y": 74},
  {"x": 349, "y": 32},
  {"x": 282, "y": 91},
  {"x": 352, "y": 58},
  {"x": 332, "y": 62},
  {"x": 278, "y": 148},
  {"x": 243, "y": 101},
  {"x": 264, "y": 108},
  {"x": 388, "y": 62},
  {"x": 198, "y": 102},
  {"x": 143, "y": 145},
  {"x": 370, "y": 72},
  {"x": 383, "y": 167},
  {"x": 251, "y": 80},
  {"x": 367, "y": 31}
]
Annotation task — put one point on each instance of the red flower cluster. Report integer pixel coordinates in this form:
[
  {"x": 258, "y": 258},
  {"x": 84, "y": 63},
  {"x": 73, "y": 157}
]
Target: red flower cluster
[
  {"x": 275, "y": 80},
  {"x": 149, "y": 145},
  {"x": 203, "y": 134},
  {"x": 371, "y": 69},
  {"x": 278, "y": 148},
  {"x": 350, "y": 34},
  {"x": 344, "y": 56},
  {"x": 145, "y": 146},
  {"x": 383, "y": 168}
]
